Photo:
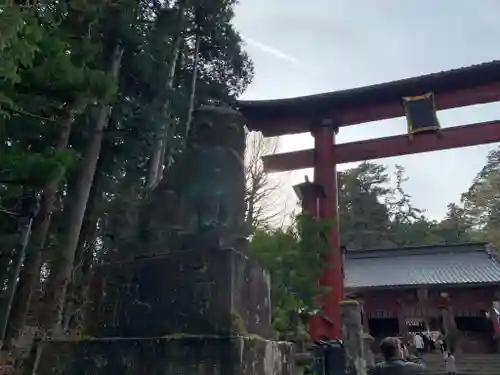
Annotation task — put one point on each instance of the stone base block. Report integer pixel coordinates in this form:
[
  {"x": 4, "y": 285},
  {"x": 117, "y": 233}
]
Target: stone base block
[
  {"x": 352, "y": 330},
  {"x": 207, "y": 292},
  {"x": 193, "y": 355},
  {"x": 367, "y": 344}
]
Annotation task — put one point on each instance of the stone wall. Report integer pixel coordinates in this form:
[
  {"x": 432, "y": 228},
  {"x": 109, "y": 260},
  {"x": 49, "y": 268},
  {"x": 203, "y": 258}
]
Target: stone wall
[
  {"x": 183, "y": 313},
  {"x": 213, "y": 292},
  {"x": 190, "y": 355}
]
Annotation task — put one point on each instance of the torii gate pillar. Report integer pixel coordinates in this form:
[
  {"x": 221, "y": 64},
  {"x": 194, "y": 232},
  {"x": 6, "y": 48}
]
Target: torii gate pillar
[
  {"x": 320, "y": 200},
  {"x": 325, "y": 174}
]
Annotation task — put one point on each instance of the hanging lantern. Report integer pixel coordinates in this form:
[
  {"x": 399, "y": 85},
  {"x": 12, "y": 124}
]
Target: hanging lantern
[{"x": 421, "y": 113}]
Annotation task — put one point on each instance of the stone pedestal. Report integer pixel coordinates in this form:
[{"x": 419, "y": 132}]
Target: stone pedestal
[
  {"x": 352, "y": 331},
  {"x": 203, "y": 312},
  {"x": 367, "y": 347},
  {"x": 211, "y": 292},
  {"x": 190, "y": 355}
]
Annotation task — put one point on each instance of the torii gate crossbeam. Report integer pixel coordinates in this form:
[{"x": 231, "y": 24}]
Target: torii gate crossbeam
[{"x": 399, "y": 145}]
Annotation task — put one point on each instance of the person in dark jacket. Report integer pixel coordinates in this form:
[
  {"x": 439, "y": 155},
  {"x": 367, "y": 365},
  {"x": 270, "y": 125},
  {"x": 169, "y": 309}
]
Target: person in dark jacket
[{"x": 394, "y": 363}]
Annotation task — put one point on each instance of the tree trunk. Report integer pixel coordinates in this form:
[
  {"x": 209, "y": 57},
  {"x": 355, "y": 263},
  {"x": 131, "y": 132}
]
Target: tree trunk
[
  {"x": 161, "y": 143},
  {"x": 156, "y": 164},
  {"x": 29, "y": 208},
  {"x": 76, "y": 312},
  {"x": 194, "y": 78},
  {"x": 6, "y": 258},
  {"x": 61, "y": 275},
  {"x": 86, "y": 235},
  {"x": 30, "y": 273},
  {"x": 8, "y": 241}
]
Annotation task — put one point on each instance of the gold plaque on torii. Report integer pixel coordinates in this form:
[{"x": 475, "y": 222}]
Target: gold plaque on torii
[{"x": 421, "y": 113}]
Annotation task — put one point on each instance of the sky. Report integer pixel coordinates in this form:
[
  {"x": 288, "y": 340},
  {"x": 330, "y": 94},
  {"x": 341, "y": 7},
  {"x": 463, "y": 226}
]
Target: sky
[{"x": 301, "y": 48}]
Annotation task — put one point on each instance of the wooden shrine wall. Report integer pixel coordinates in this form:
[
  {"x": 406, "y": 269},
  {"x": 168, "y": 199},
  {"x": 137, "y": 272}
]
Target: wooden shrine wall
[{"x": 389, "y": 303}]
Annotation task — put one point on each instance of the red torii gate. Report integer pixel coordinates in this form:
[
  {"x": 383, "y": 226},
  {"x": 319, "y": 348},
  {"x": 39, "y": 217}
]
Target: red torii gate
[{"x": 324, "y": 114}]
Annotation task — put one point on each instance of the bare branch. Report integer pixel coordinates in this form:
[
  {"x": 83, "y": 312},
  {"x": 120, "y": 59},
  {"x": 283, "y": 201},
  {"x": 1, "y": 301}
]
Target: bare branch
[{"x": 262, "y": 190}]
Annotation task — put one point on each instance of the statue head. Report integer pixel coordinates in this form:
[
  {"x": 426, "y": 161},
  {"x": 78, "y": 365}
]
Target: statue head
[{"x": 218, "y": 127}]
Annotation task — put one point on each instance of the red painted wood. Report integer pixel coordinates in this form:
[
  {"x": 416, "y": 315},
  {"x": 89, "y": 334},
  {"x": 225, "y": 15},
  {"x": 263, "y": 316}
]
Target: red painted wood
[
  {"x": 455, "y": 137},
  {"x": 333, "y": 278},
  {"x": 358, "y": 114},
  {"x": 447, "y": 100}
]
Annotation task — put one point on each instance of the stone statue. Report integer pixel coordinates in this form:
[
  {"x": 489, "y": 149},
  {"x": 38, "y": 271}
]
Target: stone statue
[
  {"x": 203, "y": 193},
  {"x": 216, "y": 189}
]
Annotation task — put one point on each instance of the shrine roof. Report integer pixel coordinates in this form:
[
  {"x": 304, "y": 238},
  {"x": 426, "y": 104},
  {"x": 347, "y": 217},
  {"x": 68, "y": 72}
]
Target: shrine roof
[
  {"x": 260, "y": 114},
  {"x": 449, "y": 264}
]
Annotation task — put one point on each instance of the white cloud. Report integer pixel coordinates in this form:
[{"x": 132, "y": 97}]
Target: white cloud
[{"x": 277, "y": 53}]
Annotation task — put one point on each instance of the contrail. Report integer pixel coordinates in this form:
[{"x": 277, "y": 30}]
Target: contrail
[{"x": 276, "y": 53}]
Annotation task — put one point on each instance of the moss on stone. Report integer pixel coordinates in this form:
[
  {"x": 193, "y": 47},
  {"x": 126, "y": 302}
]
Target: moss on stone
[
  {"x": 255, "y": 337},
  {"x": 238, "y": 324},
  {"x": 183, "y": 354},
  {"x": 179, "y": 335}
]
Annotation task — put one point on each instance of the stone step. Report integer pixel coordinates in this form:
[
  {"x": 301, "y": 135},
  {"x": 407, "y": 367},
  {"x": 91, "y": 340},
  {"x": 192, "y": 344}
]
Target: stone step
[
  {"x": 463, "y": 364},
  {"x": 464, "y": 369},
  {"x": 466, "y": 361},
  {"x": 467, "y": 364},
  {"x": 486, "y": 357},
  {"x": 476, "y": 370},
  {"x": 480, "y": 369}
]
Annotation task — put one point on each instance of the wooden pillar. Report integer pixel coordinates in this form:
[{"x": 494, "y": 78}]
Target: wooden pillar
[
  {"x": 451, "y": 317},
  {"x": 447, "y": 312},
  {"x": 450, "y": 328},
  {"x": 325, "y": 174},
  {"x": 402, "y": 323},
  {"x": 403, "y": 328},
  {"x": 423, "y": 304}
]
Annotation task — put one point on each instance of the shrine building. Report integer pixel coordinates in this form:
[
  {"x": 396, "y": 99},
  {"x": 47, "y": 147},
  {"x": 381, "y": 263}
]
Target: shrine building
[{"x": 436, "y": 287}]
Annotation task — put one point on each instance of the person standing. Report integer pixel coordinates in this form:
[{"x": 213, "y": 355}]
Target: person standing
[
  {"x": 394, "y": 363},
  {"x": 441, "y": 342},
  {"x": 450, "y": 363},
  {"x": 426, "y": 335},
  {"x": 418, "y": 342},
  {"x": 441, "y": 345},
  {"x": 432, "y": 341}
]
